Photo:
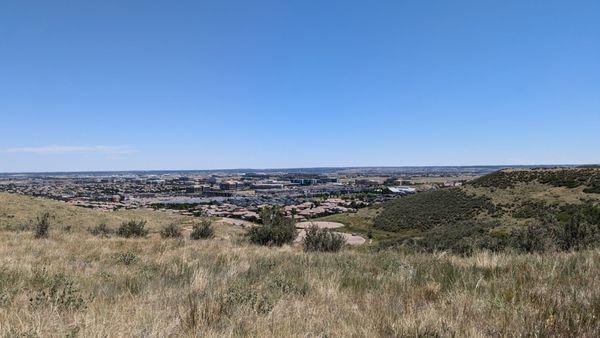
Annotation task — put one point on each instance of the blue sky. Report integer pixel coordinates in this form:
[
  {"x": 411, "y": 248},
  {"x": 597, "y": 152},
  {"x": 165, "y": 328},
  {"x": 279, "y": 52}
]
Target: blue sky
[{"x": 121, "y": 85}]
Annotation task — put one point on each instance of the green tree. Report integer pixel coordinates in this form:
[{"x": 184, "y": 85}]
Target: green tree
[{"x": 275, "y": 230}]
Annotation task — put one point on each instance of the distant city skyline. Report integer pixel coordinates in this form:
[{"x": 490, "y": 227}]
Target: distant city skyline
[
  {"x": 317, "y": 170},
  {"x": 132, "y": 85}
]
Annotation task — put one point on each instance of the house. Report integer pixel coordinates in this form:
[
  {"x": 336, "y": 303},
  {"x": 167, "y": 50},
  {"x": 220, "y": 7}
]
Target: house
[{"x": 402, "y": 190}]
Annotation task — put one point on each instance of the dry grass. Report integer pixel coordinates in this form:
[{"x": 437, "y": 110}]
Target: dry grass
[
  {"x": 442, "y": 179},
  {"x": 18, "y": 210},
  {"x": 359, "y": 222},
  {"x": 155, "y": 287},
  {"x": 77, "y": 284},
  {"x": 533, "y": 191}
]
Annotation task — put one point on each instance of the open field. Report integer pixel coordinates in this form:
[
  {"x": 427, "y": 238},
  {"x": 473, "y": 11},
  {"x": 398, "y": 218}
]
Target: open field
[{"x": 75, "y": 284}]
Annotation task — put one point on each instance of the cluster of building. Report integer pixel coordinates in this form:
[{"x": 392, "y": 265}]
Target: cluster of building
[
  {"x": 136, "y": 190},
  {"x": 303, "y": 194},
  {"x": 302, "y": 211}
]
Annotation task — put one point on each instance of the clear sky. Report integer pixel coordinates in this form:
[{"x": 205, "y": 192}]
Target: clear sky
[{"x": 122, "y": 85}]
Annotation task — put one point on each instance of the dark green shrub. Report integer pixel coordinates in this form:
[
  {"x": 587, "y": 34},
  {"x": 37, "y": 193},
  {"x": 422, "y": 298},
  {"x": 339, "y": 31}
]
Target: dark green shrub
[
  {"x": 431, "y": 209},
  {"x": 460, "y": 238},
  {"x": 564, "y": 177},
  {"x": 204, "y": 230},
  {"x": 578, "y": 234},
  {"x": 533, "y": 238},
  {"x": 171, "y": 231},
  {"x": 42, "y": 226},
  {"x": 101, "y": 230},
  {"x": 595, "y": 189},
  {"x": 322, "y": 240},
  {"x": 126, "y": 258},
  {"x": 57, "y": 291},
  {"x": 275, "y": 230},
  {"x": 533, "y": 209},
  {"x": 577, "y": 228},
  {"x": 133, "y": 228}
]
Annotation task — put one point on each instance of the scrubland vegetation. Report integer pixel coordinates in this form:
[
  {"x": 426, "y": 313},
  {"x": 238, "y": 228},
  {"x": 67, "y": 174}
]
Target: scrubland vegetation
[
  {"x": 520, "y": 266},
  {"x": 519, "y": 210},
  {"x": 322, "y": 240},
  {"x": 79, "y": 284},
  {"x": 276, "y": 229},
  {"x": 171, "y": 231},
  {"x": 204, "y": 230},
  {"x": 431, "y": 209},
  {"x": 133, "y": 228},
  {"x": 589, "y": 177}
]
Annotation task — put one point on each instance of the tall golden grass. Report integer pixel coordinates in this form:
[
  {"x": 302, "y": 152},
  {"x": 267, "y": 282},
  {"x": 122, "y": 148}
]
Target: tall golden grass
[{"x": 75, "y": 284}]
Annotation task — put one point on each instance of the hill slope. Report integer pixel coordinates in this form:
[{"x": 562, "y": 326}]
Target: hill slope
[
  {"x": 495, "y": 210},
  {"x": 76, "y": 284},
  {"x": 18, "y": 211},
  {"x": 430, "y": 209}
]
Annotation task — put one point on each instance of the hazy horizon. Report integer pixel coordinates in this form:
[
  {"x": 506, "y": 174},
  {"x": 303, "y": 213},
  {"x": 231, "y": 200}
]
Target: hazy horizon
[
  {"x": 330, "y": 168},
  {"x": 129, "y": 85}
]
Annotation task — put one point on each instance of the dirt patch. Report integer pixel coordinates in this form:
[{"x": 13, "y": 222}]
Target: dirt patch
[
  {"x": 351, "y": 239},
  {"x": 237, "y": 222},
  {"x": 320, "y": 224}
]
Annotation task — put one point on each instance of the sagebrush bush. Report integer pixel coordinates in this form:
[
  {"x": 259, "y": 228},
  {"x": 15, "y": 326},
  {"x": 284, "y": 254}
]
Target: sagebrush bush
[
  {"x": 577, "y": 227},
  {"x": 126, "y": 258},
  {"x": 101, "y": 230},
  {"x": 431, "y": 209},
  {"x": 579, "y": 230},
  {"x": 171, "y": 231},
  {"x": 204, "y": 230},
  {"x": 133, "y": 228},
  {"x": 275, "y": 230},
  {"x": 42, "y": 226},
  {"x": 57, "y": 291},
  {"x": 579, "y": 233},
  {"x": 566, "y": 177},
  {"x": 322, "y": 240},
  {"x": 533, "y": 238}
]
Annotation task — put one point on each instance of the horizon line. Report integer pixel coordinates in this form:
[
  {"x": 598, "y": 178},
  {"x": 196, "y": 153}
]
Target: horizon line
[{"x": 307, "y": 168}]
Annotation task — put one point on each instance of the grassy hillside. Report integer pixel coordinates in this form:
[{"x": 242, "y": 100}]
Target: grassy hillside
[
  {"x": 588, "y": 178},
  {"x": 75, "y": 284},
  {"x": 518, "y": 209},
  {"x": 431, "y": 209},
  {"x": 360, "y": 222},
  {"x": 20, "y": 212}
]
